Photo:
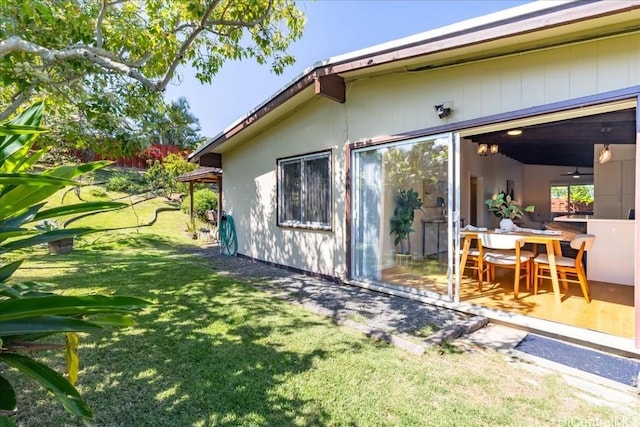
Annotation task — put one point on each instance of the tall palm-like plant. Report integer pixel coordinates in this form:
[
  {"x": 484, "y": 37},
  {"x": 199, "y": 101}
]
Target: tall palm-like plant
[
  {"x": 407, "y": 201},
  {"x": 28, "y": 315}
]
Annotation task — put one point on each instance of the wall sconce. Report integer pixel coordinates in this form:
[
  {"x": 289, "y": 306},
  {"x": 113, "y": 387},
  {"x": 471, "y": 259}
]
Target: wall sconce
[
  {"x": 442, "y": 111},
  {"x": 605, "y": 155},
  {"x": 485, "y": 149}
]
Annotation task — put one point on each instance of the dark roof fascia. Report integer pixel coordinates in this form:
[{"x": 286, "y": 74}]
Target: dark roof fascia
[
  {"x": 203, "y": 172},
  {"x": 567, "y": 13}
]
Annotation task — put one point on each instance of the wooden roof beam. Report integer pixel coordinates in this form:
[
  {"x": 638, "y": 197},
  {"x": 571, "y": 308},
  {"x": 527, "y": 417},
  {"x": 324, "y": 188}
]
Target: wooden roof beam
[{"x": 331, "y": 86}]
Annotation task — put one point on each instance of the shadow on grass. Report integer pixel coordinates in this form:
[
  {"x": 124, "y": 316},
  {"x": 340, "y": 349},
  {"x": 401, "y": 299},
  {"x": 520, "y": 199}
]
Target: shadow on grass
[{"x": 211, "y": 351}]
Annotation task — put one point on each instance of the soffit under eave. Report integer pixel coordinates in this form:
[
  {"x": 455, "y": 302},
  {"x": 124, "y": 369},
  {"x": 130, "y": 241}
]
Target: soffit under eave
[{"x": 577, "y": 32}]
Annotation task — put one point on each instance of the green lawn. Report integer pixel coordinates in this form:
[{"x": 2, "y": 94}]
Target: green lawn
[{"x": 214, "y": 351}]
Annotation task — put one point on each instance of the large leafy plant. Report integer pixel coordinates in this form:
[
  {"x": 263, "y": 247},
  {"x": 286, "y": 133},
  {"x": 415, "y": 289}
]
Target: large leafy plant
[
  {"x": 504, "y": 206},
  {"x": 407, "y": 201},
  {"x": 27, "y": 315}
]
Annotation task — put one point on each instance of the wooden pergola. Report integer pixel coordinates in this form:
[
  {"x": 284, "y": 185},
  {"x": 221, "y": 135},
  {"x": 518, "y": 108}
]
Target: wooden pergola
[{"x": 204, "y": 174}]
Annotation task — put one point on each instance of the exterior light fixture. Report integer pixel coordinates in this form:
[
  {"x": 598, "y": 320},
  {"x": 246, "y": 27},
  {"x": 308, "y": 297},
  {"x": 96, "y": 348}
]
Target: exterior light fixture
[
  {"x": 493, "y": 149},
  {"x": 442, "y": 111},
  {"x": 514, "y": 132},
  {"x": 605, "y": 155}
]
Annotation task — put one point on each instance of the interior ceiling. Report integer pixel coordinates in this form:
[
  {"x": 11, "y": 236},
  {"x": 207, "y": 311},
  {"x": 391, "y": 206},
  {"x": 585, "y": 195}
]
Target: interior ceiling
[{"x": 566, "y": 142}]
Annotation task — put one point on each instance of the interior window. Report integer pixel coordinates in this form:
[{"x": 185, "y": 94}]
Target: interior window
[
  {"x": 566, "y": 198},
  {"x": 304, "y": 191}
]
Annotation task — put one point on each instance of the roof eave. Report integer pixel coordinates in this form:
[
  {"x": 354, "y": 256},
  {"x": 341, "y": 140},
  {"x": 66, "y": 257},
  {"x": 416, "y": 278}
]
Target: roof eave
[{"x": 533, "y": 17}]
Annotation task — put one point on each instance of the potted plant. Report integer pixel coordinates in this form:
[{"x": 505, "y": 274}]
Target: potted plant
[
  {"x": 191, "y": 229},
  {"x": 407, "y": 201},
  {"x": 56, "y": 247},
  {"x": 503, "y": 206}
]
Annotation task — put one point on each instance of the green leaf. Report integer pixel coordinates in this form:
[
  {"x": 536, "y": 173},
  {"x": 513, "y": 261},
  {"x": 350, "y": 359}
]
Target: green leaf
[
  {"x": 71, "y": 355},
  {"x": 7, "y": 271},
  {"x": 78, "y": 208},
  {"x": 9, "y": 129},
  {"x": 45, "y": 324},
  {"x": 23, "y": 217},
  {"x": 7, "y": 395},
  {"x": 71, "y": 171},
  {"x": 114, "y": 320},
  {"x": 62, "y": 390},
  {"x": 6, "y": 422},
  {"x": 49, "y": 236},
  {"x": 9, "y": 232},
  {"x": 9, "y": 144},
  {"x": 68, "y": 305},
  {"x": 31, "y": 179}
]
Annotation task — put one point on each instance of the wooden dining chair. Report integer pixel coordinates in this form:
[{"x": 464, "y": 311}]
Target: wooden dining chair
[
  {"x": 505, "y": 251},
  {"x": 473, "y": 259},
  {"x": 566, "y": 265}
]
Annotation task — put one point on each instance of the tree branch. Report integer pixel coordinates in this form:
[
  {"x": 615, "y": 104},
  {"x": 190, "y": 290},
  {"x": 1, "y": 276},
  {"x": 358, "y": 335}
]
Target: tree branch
[
  {"x": 205, "y": 25},
  {"x": 95, "y": 55},
  {"x": 99, "y": 20},
  {"x": 162, "y": 84},
  {"x": 16, "y": 101},
  {"x": 246, "y": 24}
]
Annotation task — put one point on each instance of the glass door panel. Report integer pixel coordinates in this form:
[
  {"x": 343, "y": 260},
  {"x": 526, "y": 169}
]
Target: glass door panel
[{"x": 402, "y": 215}]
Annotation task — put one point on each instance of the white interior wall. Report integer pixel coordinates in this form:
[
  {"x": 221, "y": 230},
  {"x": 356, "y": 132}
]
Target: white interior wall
[
  {"x": 494, "y": 171},
  {"x": 539, "y": 180},
  {"x": 615, "y": 182}
]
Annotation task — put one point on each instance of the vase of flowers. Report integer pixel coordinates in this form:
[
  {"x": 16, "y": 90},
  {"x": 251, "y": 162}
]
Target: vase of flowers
[{"x": 504, "y": 207}]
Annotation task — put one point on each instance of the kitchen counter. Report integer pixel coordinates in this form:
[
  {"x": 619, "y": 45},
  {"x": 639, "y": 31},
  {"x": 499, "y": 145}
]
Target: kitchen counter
[
  {"x": 612, "y": 257},
  {"x": 589, "y": 218}
]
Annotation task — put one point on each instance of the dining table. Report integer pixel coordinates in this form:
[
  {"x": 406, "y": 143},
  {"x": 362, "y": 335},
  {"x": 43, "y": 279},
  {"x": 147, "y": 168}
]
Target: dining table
[{"x": 549, "y": 238}]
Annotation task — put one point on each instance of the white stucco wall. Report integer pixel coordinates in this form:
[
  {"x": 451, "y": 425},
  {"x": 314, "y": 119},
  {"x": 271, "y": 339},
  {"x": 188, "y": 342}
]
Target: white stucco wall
[
  {"x": 249, "y": 190},
  {"x": 403, "y": 102}
]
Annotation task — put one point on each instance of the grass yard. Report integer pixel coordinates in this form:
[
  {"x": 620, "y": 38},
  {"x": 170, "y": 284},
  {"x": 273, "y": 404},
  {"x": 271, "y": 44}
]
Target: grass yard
[{"x": 214, "y": 351}]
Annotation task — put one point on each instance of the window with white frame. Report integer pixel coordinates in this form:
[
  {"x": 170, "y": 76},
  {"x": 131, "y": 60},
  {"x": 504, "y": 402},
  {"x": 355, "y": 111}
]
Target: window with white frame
[{"x": 304, "y": 191}]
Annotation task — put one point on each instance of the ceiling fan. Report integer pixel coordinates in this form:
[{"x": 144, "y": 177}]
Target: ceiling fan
[{"x": 577, "y": 174}]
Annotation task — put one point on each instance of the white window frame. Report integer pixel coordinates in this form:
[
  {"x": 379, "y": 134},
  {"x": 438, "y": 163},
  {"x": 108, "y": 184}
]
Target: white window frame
[{"x": 302, "y": 222}]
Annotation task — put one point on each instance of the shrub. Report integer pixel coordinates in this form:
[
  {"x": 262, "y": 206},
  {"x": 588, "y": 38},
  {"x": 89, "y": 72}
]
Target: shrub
[
  {"x": 163, "y": 174},
  {"x": 204, "y": 200},
  {"x": 126, "y": 182},
  {"x": 98, "y": 192}
]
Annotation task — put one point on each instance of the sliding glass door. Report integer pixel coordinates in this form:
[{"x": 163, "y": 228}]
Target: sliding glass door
[{"x": 404, "y": 202}]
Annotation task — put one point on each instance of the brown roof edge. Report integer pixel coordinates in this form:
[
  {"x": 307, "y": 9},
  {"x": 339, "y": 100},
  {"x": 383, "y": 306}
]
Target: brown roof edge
[
  {"x": 562, "y": 14},
  {"x": 280, "y": 98},
  {"x": 202, "y": 173}
]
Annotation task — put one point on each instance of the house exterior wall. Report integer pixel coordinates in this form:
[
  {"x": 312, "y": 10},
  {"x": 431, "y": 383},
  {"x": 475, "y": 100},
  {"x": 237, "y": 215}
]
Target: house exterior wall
[
  {"x": 250, "y": 191},
  {"x": 403, "y": 102},
  {"x": 396, "y": 103}
]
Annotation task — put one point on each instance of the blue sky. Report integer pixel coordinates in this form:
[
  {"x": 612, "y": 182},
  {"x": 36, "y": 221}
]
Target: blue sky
[{"x": 333, "y": 27}]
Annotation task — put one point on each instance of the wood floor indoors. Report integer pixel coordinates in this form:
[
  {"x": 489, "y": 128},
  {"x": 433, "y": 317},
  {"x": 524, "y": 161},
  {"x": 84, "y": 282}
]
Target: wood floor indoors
[{"x": 611, "y": 310}]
